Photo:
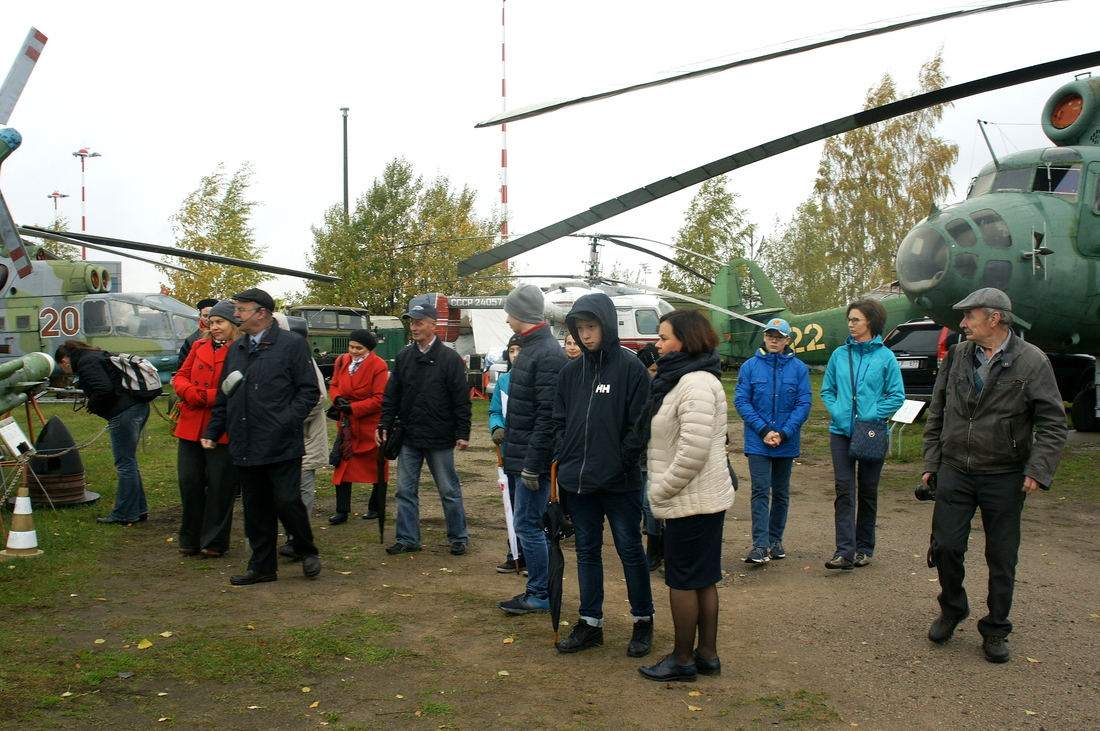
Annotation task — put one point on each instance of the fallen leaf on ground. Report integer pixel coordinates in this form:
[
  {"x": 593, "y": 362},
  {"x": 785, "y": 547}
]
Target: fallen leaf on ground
[
  {"x": 253, "y": 708},
  {"x": 694, "y": 693},
  {"x": 1031, "y": 713},
  {"x": 314, "y": 704},
  {"x": 508, "y": 640},
  {"x": 164, "y": 718},
  {"x": 248, "y": 626},
  {"x": 162, "y": 694},
  {"x": 503, "y": 672},
  {"x": 306, "y": 690},
  {"x": 345, "y": 573},
  {"x": 144, "y": 644},
  {"x": 166, "y": 634},
  {"x": 126, "y": 674},
  {"x": 404, "y": 595},
  {"x": 1031, "y": 659},
  {"x": 100, "y": 642},
  {"x": 66, "y": 694}
]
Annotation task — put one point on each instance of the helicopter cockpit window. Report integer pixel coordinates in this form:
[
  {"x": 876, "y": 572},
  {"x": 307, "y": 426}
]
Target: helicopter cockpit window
[
  {"x": 997, "y": 274},
  {"x": 97, "y": 318},
  {"x": 140, "y": 321},
  {"x": 1009, "y": 180},
  {"x": 1061, "y": 154},
  {"x": 647, "y": 321},
  {"x": 966, "y": 264},
  {"x": 994, "y": 230},
  {"x": 922, "y": 259},
  {"x": 1059, "y": 180},
  {"x": 962, "y": 232},
  {"x": 980, "y": 185}
]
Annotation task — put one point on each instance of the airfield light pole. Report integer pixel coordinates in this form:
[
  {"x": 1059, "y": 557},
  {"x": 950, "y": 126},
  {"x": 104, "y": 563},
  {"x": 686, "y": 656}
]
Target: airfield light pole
[
  {"x": 83, "y": 153},
  {"x": 56, "y": 196},
  {"x": 345, "y": 112},
  {"x": 503, "y": 137}
]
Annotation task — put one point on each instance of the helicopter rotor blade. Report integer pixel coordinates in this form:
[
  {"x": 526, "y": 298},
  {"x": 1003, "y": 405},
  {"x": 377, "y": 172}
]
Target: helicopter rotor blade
[
  {"x": 85, "y": 238},
  {"x": 662, "y": 188},
  {"x": 55, "y": 236},
  {"x": 677, "y": 295},
  {"x": 671, "y": 261},
  {"x": 478, "y": 279},
  {"x": 671, "y": 246},
  {"x": 20, "y": 72},
  {"x": 12, "y": 242},
  {"x": 768, "y": 53}
]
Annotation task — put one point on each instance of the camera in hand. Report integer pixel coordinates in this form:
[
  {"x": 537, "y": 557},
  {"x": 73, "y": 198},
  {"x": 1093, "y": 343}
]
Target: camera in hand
[{"x": 926, "y": 492}]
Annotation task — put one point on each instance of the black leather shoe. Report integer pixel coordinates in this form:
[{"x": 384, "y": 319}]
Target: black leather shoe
[
  {"x": 251, "y": 577},
  {"x": 995, "y": 648},
  {"x": 642, "y": 639},
  {"x": 669, "y": 670},
  {"x": 143, "y": 517},
  {"x": 458, "y": 549},
  {"x": 399, "y": 548},
  {"x": 311, "y": 565},
  {"x": 584, "y": 636},
  {"x": 338, "y": 518},
  {"x": 109, "y": 520},
  {"x": 705, "y": 666},
  {"x": 944, "y": 626},
  {"x": 370, "y": 515},
  {"x": 287, "y": 551}
]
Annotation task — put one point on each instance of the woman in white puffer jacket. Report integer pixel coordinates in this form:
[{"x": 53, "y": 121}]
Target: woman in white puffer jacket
[{"x": 690, "y": 487}]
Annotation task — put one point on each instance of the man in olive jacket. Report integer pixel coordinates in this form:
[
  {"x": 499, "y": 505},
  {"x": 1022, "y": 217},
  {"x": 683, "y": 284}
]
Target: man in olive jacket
[
  {"x": 427, "y": 391},
  {"x": 995, "y": 432},
  {"x": 265, "y": 418}
]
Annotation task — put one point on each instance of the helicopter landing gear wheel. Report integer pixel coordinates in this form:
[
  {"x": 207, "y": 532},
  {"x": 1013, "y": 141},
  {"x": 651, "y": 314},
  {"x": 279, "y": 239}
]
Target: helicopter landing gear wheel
[{"x": 1083, "y": 411}]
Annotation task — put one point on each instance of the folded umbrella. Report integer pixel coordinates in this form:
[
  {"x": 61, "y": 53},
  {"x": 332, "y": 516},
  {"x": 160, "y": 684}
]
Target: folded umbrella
[
  {"x": 557, "y": 526},
  {"x": 509, "y": 522}
]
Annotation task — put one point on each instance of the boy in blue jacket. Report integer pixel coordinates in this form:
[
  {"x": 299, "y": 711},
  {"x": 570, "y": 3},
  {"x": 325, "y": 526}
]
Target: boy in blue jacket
[{"x": 773, "y": 399}]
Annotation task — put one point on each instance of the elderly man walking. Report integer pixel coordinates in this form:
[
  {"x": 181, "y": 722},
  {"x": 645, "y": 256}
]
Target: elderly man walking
[
  {"x": 427, "y": 392},
  {"x": 264, "y": 414},
  {"x": 995, "y": 432}
]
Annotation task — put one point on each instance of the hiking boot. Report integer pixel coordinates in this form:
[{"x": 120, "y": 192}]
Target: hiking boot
[
  {"x": 758, "y": 555},
  {"x": 585, "y": 636},
  {"x": 400, "y": 547},
  {"x": 862, "y": 559},
  {"x": 777, "y": 551},
  {"x": 642, "y": 639},
  {"x": 525, "y": 603},
  {"x": 944, "y": 626},
  {"x": 995, "y": 648},
  {"x": 839, "y": 562}
]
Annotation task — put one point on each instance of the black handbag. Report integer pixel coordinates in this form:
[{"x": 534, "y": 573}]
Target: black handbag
[
  {"x": 336, "y": 454},
  {"x": 868, "y": 443},
  {"x": 391, "y": 448}
]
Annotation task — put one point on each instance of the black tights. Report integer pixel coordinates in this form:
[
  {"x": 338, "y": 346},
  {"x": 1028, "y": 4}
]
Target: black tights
[{"x": 695, "y": 610}]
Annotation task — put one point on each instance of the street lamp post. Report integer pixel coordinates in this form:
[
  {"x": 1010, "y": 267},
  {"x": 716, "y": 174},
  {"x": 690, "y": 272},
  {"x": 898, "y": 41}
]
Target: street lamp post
[
  {"x": 83, "y": 153},
  {"x": 56, "y": 196}
]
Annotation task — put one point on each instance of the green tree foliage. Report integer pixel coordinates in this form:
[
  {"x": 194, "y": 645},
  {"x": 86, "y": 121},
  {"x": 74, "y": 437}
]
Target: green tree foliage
[
  {"x": 873, "y": 185},
  {"x": 714, "y": 225},
  {"x": 403, "y": 238},
  {"x": 214, "y": 219}
]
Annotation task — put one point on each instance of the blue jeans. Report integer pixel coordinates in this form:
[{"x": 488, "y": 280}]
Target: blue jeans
[
  {"x": 856, "y": 504},
  {"x": 623, "y": 511},
  {"x": 530, "y": 505},
  {"x": 771, "y": 496},
  {"x": 441, "y": 463},
  {"x": 125, "y": 430}
]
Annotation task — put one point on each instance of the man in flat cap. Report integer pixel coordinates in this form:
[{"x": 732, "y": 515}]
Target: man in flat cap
[
  {"x": 428, "y": 394},
  {"x": 529, "y": 437},
  {"x": 203, "y": 306},
  {"x": 276, "y": 387},
  {"x": 995, "y": 432}
]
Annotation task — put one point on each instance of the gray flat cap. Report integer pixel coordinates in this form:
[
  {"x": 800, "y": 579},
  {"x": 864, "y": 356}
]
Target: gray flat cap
[{"x": 987, "y": 297}]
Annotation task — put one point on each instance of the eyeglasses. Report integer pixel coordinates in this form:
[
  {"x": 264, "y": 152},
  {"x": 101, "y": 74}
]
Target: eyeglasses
[
  {"x": 243, "y": 311},
  {"x": 854, "y": 320},
  {"x": 776, "y": 336}
]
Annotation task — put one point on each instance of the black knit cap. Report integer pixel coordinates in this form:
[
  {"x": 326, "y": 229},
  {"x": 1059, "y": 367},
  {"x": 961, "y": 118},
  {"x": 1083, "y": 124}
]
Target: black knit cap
[
  {"x": 208, "y": 302},
  {"x": 365, "y": 338}
]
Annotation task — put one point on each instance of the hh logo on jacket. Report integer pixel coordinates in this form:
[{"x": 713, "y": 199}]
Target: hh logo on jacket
[{"x": 603, "y": 388}]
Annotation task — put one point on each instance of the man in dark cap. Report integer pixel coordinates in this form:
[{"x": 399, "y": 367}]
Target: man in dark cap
[
  {"x": 428, "y": 394},
  {"x": 203, "y": 306},
  {"x": 264, "y": 413},
  {"x": 995, "y": 432},
  {"x": 529, "y": 437}
]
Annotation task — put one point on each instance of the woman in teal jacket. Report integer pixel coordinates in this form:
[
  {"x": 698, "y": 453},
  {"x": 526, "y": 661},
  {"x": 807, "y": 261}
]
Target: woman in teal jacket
[{"x": 879, "y": 393}]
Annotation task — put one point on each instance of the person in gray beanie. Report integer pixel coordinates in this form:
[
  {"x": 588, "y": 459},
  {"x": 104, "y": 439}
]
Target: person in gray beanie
[
  {"x": 525, "y": 303},
  {"x": 529, "y": 437}
]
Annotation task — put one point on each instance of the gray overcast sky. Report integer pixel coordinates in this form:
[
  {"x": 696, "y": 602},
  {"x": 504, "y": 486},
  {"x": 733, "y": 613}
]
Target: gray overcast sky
[{"x": 167, "y": 91}]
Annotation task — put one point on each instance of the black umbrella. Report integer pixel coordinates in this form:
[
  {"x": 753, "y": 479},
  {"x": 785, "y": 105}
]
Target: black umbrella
[
  {"x": 378, "y": 495},
  {"x": 557, "y": 526}
]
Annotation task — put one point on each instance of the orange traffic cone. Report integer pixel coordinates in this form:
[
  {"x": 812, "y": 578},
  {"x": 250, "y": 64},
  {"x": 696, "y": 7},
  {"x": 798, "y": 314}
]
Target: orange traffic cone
[{"x": 22, "y": 539}]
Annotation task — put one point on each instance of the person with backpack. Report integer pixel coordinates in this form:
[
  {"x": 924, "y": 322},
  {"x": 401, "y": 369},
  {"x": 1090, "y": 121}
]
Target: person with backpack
[{"x": 126, "y": 415}]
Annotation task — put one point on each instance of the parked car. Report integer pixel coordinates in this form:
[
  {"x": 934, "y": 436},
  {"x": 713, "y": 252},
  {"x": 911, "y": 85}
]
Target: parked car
[{"x": 920, "y": 346}]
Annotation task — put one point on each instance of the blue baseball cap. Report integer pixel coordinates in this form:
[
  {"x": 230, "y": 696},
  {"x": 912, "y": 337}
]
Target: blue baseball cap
[
  {"x": 780, "y": 325},
  {"x": 419, "y": 312}
]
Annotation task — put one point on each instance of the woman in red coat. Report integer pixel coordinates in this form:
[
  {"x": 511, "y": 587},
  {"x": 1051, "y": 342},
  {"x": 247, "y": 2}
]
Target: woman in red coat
[
  {"x": 359, "y": 377},
  {"x": 207, "y": 477}
]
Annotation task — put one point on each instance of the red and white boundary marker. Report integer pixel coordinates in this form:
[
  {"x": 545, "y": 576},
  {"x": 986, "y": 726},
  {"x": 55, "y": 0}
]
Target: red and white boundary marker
[{"x": 22, "y": 538}]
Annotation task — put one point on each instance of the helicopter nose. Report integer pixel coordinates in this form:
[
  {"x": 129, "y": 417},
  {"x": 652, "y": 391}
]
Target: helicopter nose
[{"x": 922, "y": 260}]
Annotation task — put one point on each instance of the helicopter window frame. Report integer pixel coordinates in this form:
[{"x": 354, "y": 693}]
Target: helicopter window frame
[
  {"x": 961, "y": 231},
  {"x": 995, "y": 232},
  {"x": 1012, "y": 180},
  {"x": 647, "y": 321},
  {"x": 997, "y": 273},
  {"x": 1066, "y": 186},
  {"x": 96, "y": 323}
]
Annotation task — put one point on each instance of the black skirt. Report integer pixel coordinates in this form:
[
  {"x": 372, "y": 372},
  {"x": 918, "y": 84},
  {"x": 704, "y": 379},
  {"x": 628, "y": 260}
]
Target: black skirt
[{"x": 693, "y": 551}]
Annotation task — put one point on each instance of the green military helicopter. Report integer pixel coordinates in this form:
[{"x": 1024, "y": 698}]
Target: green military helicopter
[{"x": 46, "y": 300}]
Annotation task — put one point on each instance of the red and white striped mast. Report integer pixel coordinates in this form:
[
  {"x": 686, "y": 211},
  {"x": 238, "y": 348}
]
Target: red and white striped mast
[
  {"x": 83, "y": 153},
  {"x": 503, "y": 137}
]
